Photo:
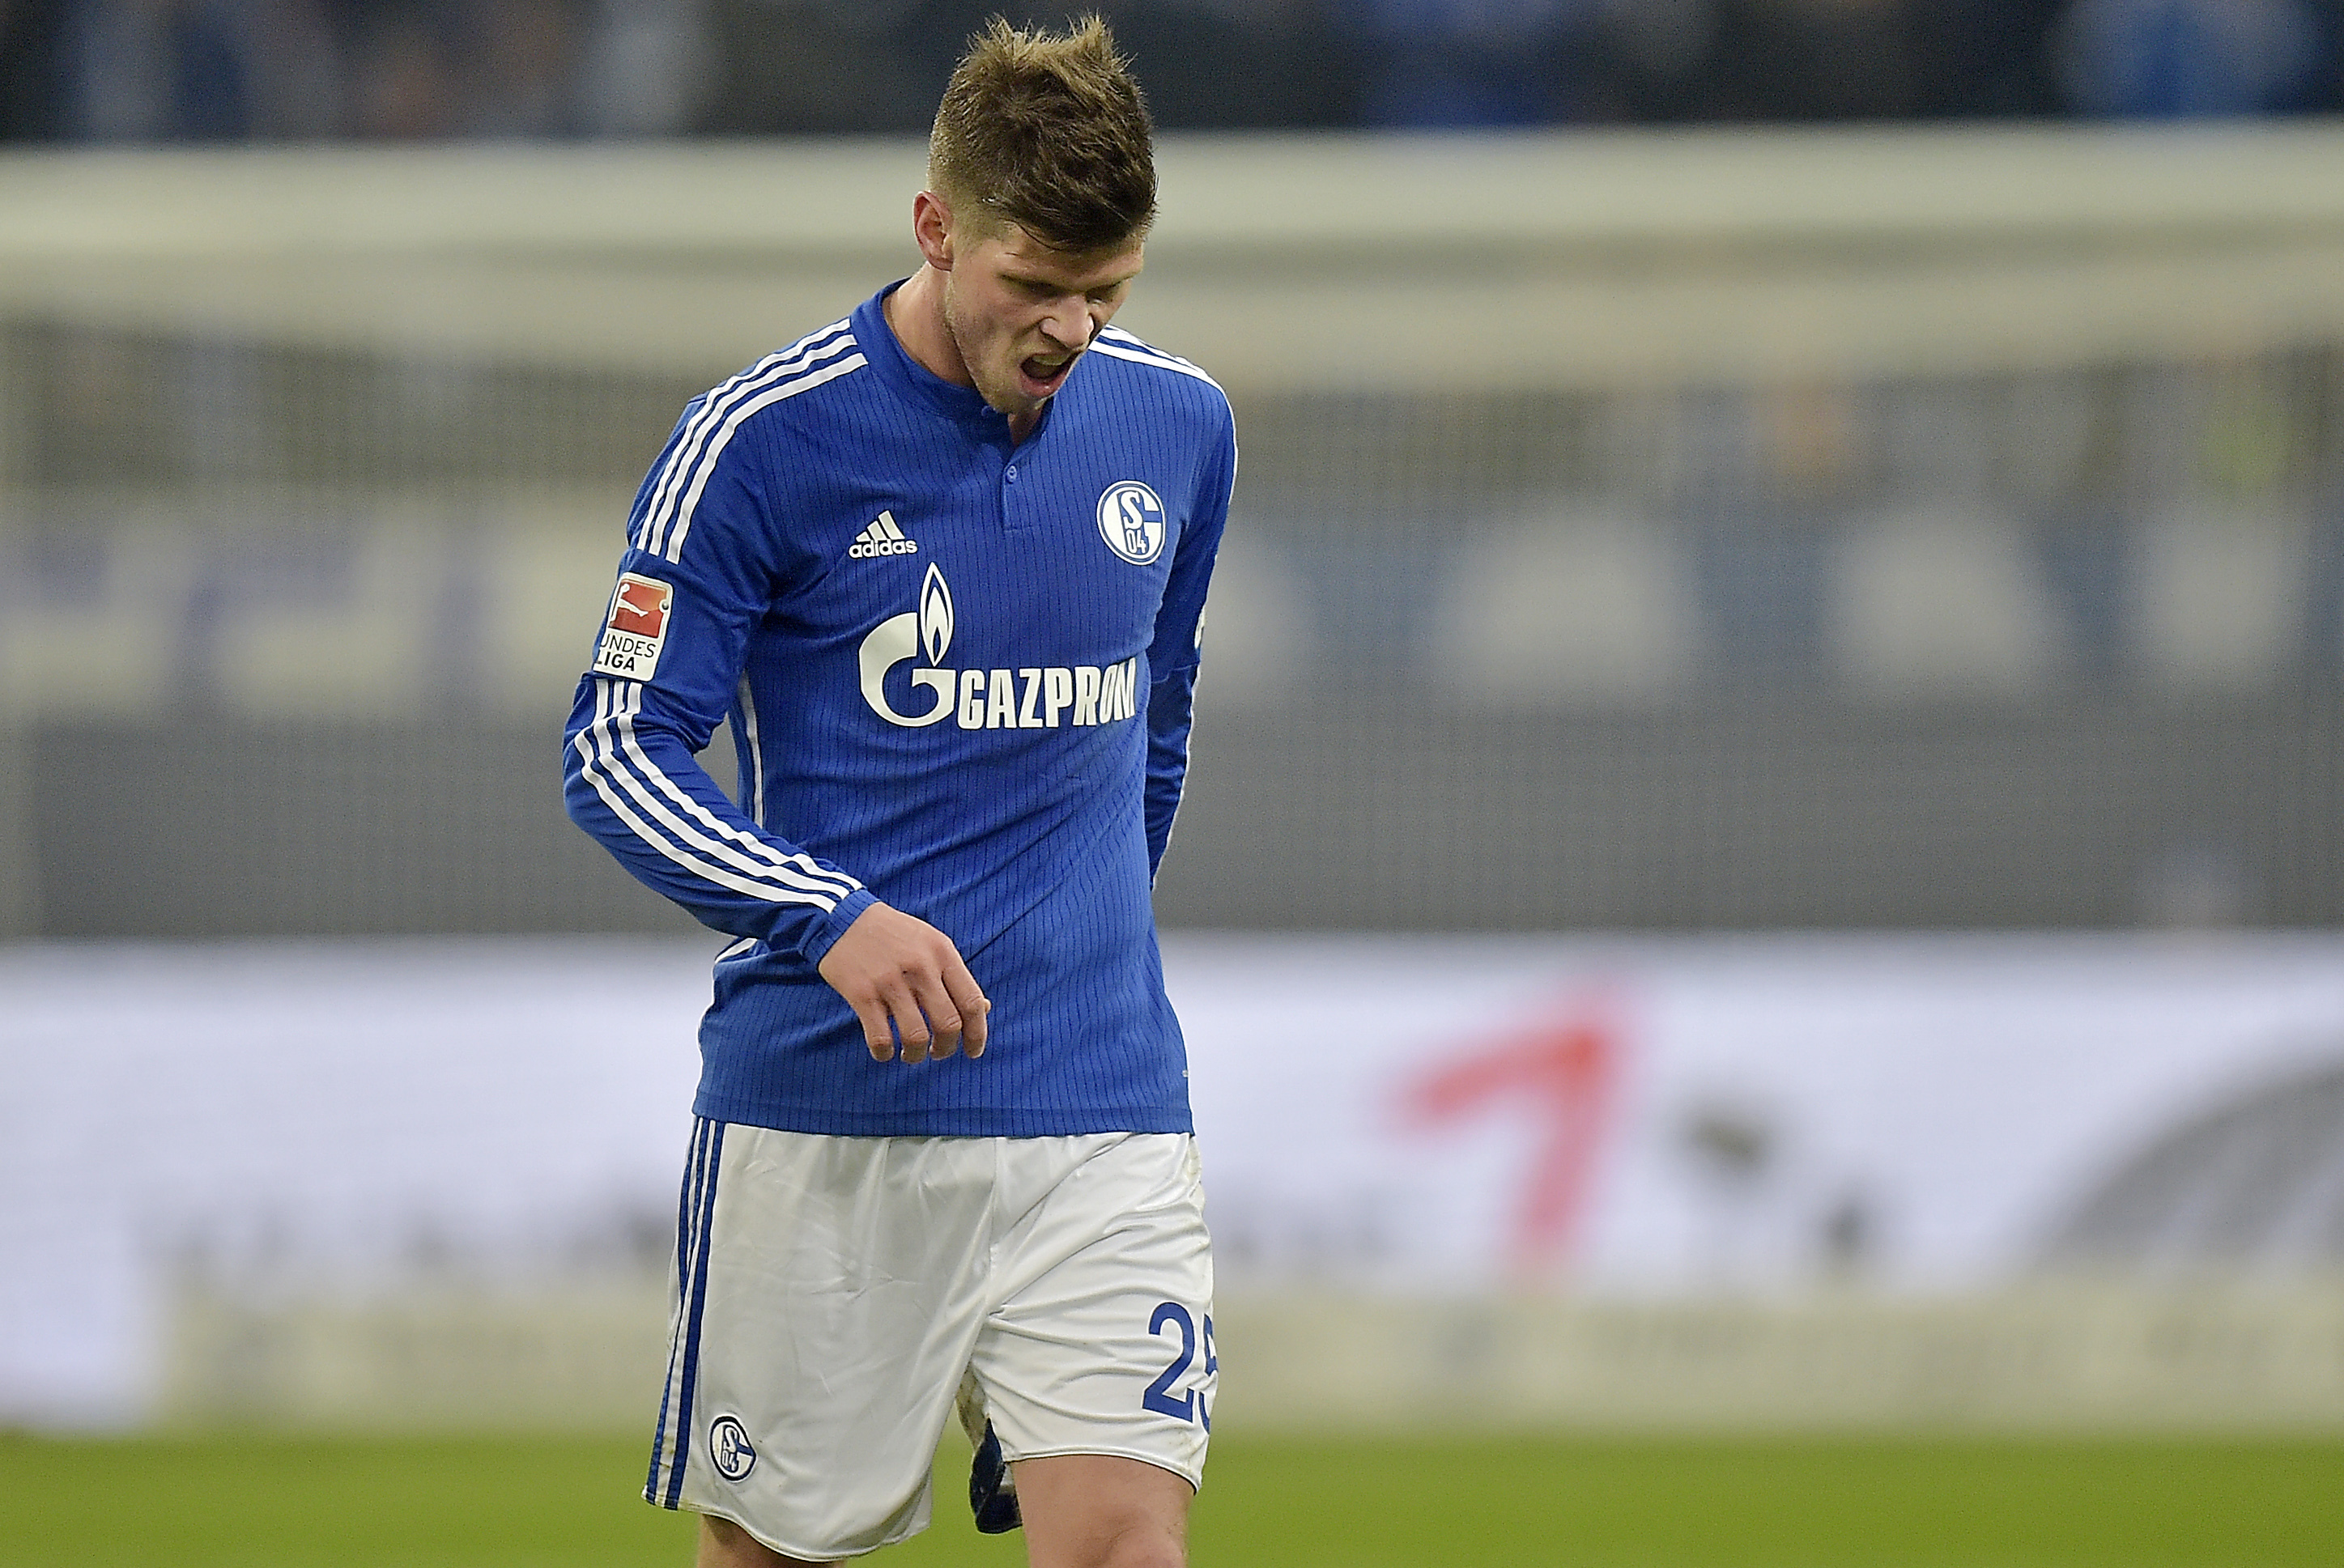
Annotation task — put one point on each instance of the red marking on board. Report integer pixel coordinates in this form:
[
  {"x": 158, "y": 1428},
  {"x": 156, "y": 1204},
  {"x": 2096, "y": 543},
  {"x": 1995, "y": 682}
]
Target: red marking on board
[{"x": 1563, "y": 1073}]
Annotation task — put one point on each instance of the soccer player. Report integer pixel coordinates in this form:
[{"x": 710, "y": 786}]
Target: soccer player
[{"x": 944, "y": 565}]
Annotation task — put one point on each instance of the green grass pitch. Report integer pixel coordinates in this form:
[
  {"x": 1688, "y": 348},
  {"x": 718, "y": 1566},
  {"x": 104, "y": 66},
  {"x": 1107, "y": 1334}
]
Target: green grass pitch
[{"x": 285, "y": 1502}]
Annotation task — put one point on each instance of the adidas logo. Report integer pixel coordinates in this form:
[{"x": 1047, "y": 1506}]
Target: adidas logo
[{"x": 883, "y": 538}]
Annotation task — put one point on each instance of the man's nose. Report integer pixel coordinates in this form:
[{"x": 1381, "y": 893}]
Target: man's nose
[{"x": 1069, "y": 323}]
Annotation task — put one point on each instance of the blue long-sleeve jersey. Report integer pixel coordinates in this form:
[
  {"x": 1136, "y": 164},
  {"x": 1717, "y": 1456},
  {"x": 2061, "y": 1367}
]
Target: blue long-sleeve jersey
[{"x": 959, "y": 673}]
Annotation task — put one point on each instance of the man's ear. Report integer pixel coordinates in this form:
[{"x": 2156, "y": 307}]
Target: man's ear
[{"x": 932, "y": 228}]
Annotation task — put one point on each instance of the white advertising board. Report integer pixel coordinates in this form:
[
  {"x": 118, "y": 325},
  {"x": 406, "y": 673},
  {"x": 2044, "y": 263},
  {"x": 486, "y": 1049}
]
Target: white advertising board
[
  {"x": 1923, "y": 1113},
  {"x": 1408, "y": 1117}
]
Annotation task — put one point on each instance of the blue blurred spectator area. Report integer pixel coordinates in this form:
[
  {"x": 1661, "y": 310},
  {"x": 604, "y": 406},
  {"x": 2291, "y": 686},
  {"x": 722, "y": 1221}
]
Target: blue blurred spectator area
[{"x": 315, "y": 70}]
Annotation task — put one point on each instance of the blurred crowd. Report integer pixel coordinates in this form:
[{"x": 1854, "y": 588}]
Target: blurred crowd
[{"x": 308, "y": 70}]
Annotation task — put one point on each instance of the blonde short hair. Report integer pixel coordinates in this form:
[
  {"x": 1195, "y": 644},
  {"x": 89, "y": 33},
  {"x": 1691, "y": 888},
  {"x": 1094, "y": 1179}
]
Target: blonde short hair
[{"x": 1050, "y": 132}]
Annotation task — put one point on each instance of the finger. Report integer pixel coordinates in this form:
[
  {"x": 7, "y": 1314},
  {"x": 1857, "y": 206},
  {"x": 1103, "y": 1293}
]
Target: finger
[
  {"x": 969, "y": 1000},
  {"x": 941, "y": 1015},
  {"x": 877, "y": 1037},
  {"x": 910, "y": 1024},
  {"x": 974, "y": 1013}
]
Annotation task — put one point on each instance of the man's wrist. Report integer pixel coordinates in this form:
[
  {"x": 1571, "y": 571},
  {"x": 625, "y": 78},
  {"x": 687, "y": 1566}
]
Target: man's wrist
[{"x": 833, "y": 925}]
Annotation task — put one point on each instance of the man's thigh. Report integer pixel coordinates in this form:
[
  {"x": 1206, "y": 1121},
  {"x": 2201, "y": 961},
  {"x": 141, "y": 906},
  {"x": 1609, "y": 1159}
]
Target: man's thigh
[
  {"x": 724, "y": 1545},
  {"x": 1102, "y": 1340},
  {"x": 1082, "y": 1509}
]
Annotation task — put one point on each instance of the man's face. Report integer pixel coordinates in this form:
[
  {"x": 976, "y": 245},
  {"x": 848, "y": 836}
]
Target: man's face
[{"x": 1020, "y": 313}]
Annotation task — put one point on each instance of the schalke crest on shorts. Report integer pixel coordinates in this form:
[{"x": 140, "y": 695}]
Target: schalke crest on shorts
[{"x": 729, "y": 1448}]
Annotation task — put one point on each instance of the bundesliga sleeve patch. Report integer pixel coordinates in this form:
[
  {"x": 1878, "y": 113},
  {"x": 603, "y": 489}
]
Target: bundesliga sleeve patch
[{"x": 636, "y": 628}]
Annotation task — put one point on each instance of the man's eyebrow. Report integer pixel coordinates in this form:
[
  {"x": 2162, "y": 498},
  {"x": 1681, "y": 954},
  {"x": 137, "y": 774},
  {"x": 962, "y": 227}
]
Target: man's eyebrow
[{"x": 1034, "y": 280}]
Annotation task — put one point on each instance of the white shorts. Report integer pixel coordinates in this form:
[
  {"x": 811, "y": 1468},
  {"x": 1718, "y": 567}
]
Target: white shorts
[{"x": 830, "y": 1294}]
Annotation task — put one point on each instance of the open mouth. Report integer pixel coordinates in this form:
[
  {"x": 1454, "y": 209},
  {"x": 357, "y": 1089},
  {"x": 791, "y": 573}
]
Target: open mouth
[{"x": 1043, "y": 375}]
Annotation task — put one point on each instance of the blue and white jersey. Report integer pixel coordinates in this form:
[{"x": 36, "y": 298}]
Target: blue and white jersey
[{"x": 959, "y": 674}]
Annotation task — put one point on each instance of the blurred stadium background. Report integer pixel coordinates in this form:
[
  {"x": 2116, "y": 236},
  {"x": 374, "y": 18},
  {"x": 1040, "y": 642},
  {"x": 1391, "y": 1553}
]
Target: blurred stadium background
[{"x": 1767, "y": 834}]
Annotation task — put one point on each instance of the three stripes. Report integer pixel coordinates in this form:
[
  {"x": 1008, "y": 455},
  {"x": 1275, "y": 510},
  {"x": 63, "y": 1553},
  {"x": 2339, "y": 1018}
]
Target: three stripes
[
  {"x": 801, "y": 368},
  {"x": 883, "y": 531},
  {"x": 665, "y": 816},
  {"x": 1116, "y": 344},
  {"x": 695, "y": 1208}
]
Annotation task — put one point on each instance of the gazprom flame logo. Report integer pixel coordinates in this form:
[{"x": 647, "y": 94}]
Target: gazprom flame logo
[
  {"x": 902, "y": 637},
  {"x": 935, "y": 616},
  {"x": 1131, "y": 521}
]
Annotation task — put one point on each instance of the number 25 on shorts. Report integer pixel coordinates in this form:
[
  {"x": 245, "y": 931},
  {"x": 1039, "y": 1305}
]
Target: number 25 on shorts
[{"x": 1190, "y": 1404}]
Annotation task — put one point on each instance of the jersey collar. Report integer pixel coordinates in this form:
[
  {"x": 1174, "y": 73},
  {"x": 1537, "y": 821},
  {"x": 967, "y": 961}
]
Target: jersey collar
[{"x": 961, "y": 405}]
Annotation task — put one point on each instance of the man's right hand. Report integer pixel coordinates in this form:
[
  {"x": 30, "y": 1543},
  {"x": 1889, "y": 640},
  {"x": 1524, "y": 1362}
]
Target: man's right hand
[{"x": 904, "y": 977}]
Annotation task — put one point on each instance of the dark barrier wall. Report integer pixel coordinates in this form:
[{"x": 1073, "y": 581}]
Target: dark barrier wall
[{"x": 1775, "y": 815}]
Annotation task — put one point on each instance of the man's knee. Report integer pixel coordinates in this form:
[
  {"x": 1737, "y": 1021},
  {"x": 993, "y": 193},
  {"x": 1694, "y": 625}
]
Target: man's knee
[
  {"x": 1144, "y": 1546},
  {"x": 1108, "y": 1540}
]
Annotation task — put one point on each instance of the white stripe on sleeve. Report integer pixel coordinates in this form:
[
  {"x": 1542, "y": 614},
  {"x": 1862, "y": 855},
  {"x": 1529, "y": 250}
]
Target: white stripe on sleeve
[
  {"x": 606, "y": 768},
  {"x": 806, "y": 351},
  {"x": 731, "y": 842},
  {"x": 673, "y": 550}
]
